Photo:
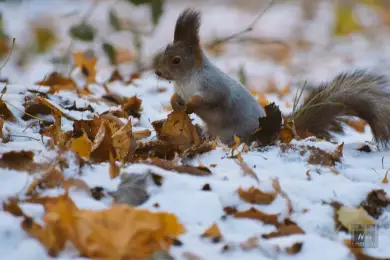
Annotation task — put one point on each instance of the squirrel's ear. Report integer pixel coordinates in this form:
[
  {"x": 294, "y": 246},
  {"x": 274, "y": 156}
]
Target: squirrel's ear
[{"x": 187, "y": 27}]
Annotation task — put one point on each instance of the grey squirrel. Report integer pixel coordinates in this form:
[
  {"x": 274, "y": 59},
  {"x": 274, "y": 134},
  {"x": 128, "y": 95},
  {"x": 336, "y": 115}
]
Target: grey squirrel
[{"x": 228, "y": 108}]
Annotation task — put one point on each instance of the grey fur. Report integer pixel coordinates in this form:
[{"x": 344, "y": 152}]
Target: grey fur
[
  {"x": 359, "y": 93},
  {"x": 229, "y": 108}
]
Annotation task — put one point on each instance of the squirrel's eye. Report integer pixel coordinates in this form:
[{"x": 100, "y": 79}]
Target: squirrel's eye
[{"x": 176, "y": 60}]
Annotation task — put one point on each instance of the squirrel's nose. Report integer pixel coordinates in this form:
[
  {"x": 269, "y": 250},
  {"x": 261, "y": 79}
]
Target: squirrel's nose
[{"x": 158, "y": 73}]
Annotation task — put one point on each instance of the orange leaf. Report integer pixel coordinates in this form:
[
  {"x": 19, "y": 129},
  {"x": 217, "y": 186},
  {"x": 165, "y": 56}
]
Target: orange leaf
[
  {"x": 357, "y": 125},
  {"x": 256, "y": 196},
  {"x": 246, "y": 169},
  {"x": 385, "y": 180},
  {"x": 57, "y": 82},
  {"x": 87, "y": 66},
  {"x": 253, "y": 213},
  {"x": 286, "y": 229},
  {"x": 82, "y": 146},
  {"x": 213, "y": 232}
]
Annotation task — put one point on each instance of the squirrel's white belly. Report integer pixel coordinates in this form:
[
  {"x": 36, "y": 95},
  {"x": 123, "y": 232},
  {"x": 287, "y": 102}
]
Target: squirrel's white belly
[{"x": 186, "y": 91}]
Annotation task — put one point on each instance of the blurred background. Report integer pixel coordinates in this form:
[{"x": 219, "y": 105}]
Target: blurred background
[{"x": 291, "y": 41}]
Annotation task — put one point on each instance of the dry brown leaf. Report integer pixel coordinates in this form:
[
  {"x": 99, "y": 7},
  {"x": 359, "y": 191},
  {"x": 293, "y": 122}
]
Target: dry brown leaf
[
  {"x": 141, "y": 134},
  {"x": 375, "y": 202},
  {"x": 87, "y": 66},
  {"x": 123, "y": 141},
  {"x": 213, "y": 232},
  {"x": 90, "y": 127},
  {"x": 285, "y": 229},
  {"x": 114, "y": 169},
  {"x": 132, "y": 106},
  {"x": 188, "y": 169},
  {"x": 82, "y": 146},
  {"x": 253, "y": 213},
  {"x": 256, "y": 196},
  {"x": 103, "y": 144},
  {"x": 269, "y": 126},
  {"x": 76, "y": 183},
  {"x": 294, "y": 249},
  {"x": 58, "y": 83},
  {"x": 246, "y": 169},
  {"x": 250, "y": 243},
  {"x": 5, "y": 113},
  {"x": 1, "y": 127},
  {"x": 21, "y": 161},
  {"x": 318, "y": 156},
  {"x": 179, "y": 130},
  {"x": 278, "y": 190}
]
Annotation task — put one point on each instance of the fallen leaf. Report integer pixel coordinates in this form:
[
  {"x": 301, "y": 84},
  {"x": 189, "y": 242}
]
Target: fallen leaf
[
  {"x": 123, "y": 141},
  {"x": 250, "y": 243},
  {"x": 5, "y": 113},
  {"x": 102, "y": 147},
  {"x": 58, "y": 83},
  {"x": 82, "y": 146},
  {"x": 213, "y": 232},
  {"x": 350, "y": 217},
  {"x": 253, "y": 213},
  {"x": 365, "y": 148},
  {"x": 141, "y": 134},
  {"x": 358, "y": 252},
  {"x": 132, "y": 106},
  {"x": 237, "y": 142},
  {"x": 87, "y": 66},
  {"x": 188, "y": 169},
  {"x": 158, "y": 125},
  {"x": 294, "y": 249},
  {"x": 256, "y": 196},
  {"x": 375, "y": 203},
  {"x": 286, "y": 135},
  {"x": 78, "y": 184},
  {"x": 321, "y": 157},
  {"x": 11, "y": 206},
  {"x": 114, "y": 169},
  {"x": 21, "y": 161},
  {"x": 269, "y": 126},
  {"x": 285, "y": 229},
  {"x": 115, "y": 76},
  {"x": 385, "y": 180},
  {"x": 357, "y": 125},
  {"x": 179, "y": 130},
  {"x": 246, "y": 169},
  {"x": 278, "y": 190},
  {"x": 230, "y": 210}
]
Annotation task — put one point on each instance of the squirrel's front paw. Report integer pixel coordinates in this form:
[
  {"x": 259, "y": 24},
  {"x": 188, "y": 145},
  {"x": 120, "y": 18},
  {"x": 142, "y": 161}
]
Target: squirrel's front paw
[
  {"x": 193, "y": 104},
  {"x": 177, "y": 103}
]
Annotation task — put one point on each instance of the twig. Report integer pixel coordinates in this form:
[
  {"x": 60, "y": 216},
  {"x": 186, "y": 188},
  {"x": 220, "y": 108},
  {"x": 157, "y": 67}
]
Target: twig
[
  {"x": 25, "y": 137},
  {"x": 9, "y": 55},
  {"x": 248, "y": 29}
]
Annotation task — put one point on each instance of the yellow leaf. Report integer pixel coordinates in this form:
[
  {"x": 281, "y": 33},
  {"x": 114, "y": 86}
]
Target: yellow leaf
[
  {"x": 351, "y": 216},
  {"x": 82, "y": 146},
  {"x": 345, "y": 20},
  {"x": 385, "y": 180},
  {"x": 87, "y": 66},
  {"x": 121, "y": 140}
]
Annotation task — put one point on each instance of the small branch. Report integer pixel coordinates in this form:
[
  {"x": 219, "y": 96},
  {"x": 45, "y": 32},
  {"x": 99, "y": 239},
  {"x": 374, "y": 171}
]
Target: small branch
[
  {"x": 25, "y": 137},
  {"x": 237, "y": 34}
]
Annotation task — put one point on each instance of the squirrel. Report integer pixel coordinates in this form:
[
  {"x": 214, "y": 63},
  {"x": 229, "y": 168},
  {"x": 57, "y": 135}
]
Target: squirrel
[{"x": 228, "y": 109}]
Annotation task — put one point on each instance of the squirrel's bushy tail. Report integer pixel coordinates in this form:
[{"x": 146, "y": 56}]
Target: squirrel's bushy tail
[{"x": 359, "y": 93}]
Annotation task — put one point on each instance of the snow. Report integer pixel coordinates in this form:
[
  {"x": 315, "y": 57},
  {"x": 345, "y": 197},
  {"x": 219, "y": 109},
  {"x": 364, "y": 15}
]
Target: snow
[{"x": 182, "y": 194}]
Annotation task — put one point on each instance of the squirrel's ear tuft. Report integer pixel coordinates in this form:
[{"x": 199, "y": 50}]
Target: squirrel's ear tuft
[{"x": 187, "y": 27}]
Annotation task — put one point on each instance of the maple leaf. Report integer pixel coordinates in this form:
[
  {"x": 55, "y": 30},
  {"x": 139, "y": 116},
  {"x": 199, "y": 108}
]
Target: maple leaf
[
  {"x": 57, "y": 82},
  {"x": 87, "y": 66},
  {"x": 213, "y": 232},
  {"x": 179, "y": 130},
  {"x": 253, "y": 213},
  {"x": 82, "y": 146},
  {"x": 256, "y": 196}
]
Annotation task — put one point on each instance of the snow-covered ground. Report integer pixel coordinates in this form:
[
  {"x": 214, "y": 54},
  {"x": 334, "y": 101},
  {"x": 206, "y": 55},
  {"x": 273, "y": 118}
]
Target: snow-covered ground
[{"x": 358, "y": 173}]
